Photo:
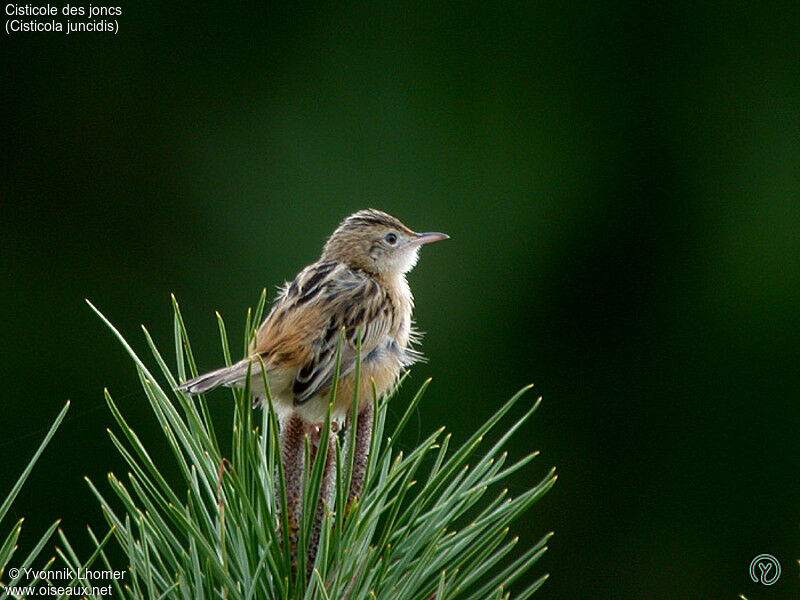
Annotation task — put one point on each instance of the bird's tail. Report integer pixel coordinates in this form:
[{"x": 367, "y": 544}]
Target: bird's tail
[{"x": 228, "y": 376}]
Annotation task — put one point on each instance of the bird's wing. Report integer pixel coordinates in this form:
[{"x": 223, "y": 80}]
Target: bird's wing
[{"x": 303, "y": 328}]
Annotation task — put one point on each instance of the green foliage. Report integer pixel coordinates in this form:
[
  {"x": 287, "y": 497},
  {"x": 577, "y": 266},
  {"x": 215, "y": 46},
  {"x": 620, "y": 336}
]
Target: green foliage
[
  {"x": 422, "y": 529},
  {"x": 9, "y": 546}
]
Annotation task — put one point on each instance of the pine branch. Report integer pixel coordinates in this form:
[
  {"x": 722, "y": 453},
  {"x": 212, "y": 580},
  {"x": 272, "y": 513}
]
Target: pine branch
[{"x": 426, "y": 525}]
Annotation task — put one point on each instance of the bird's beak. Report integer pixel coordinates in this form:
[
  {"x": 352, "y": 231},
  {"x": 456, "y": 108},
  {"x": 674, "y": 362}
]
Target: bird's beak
[{"x": 427, "y": 238}]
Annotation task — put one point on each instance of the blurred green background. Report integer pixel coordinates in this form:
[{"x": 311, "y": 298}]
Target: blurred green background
[{"x": 621, "y": 183}]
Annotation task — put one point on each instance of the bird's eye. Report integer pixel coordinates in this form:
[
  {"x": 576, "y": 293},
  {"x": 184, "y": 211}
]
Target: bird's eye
[{"x": 391, "y": 238}]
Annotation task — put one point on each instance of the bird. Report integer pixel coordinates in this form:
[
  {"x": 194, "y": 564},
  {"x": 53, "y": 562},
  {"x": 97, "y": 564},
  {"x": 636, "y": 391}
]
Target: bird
[{"x": 356, "y": 291}]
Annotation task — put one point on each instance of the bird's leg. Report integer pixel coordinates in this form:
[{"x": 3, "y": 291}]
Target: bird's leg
[
  {"x": 325, "y": 489},
  {"x": 363, "y": 427},
  {"x": 292, "y": 436}
]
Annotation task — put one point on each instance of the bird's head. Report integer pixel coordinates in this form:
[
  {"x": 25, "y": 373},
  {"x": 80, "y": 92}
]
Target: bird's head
[{"x": 376, "y": 242}]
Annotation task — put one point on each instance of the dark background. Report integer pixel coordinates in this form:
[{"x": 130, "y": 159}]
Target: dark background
[{"x": 621, "y": 184}]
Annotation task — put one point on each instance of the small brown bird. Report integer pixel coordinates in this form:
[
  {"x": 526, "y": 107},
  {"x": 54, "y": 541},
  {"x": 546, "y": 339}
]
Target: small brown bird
[
  {"x": 358, "y": 286},
  {"x": 358, "y": 283}
]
